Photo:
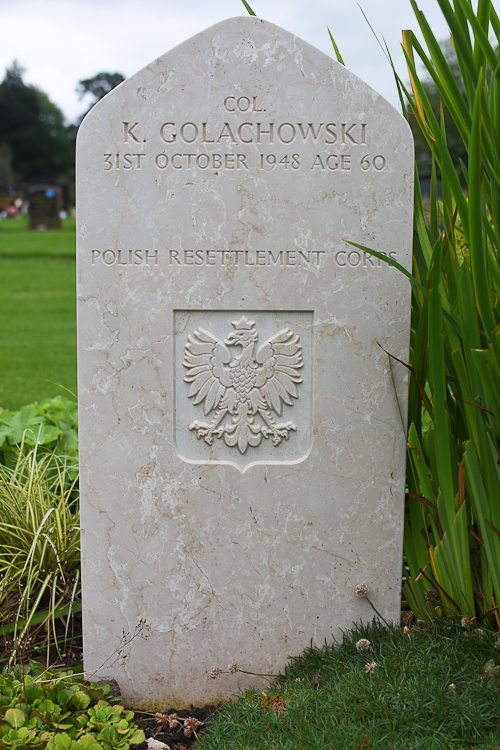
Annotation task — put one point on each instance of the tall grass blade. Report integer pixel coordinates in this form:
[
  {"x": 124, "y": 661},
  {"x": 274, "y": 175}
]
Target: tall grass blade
[
  {"x": 408, "y": 46},
  {"x": 337, "y": 51},
  {"x": 250, "y": 11}
]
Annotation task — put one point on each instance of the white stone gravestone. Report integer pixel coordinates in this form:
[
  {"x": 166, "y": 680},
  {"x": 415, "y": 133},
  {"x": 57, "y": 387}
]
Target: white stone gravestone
[{"x": 242, "y": 451}]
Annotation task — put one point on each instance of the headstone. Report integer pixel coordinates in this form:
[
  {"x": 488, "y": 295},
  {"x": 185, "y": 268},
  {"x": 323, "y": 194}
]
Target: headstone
[
  {"x": 6, "y": 178},
  {"x": 44, "y": 207},
  {"x": 242, "y": 447},
  {"x": 5, "y": 198}
]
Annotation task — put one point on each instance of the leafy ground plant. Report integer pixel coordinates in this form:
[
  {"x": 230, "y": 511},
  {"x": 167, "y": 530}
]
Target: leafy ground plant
[
  {"x": 39, "y": 551},
  {"x": 433, "y": 685},
  {"x": 60, "y": 711},
  {"x": 49, "y": 425}
]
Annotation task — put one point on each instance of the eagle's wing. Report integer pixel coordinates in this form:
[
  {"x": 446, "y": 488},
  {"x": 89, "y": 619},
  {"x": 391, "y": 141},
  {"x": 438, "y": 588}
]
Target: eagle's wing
[
  {"x": 205, "y": 357},
  {"x": 280, "y": 358}
]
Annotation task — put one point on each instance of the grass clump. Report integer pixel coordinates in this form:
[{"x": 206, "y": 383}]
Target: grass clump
[
  {"x": 434, "y": 685},
  {"x": 39, "y": 551},
  {"x": 60, "y": 711}
]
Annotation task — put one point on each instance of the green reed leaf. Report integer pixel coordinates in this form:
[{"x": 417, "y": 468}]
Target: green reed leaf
[
  {"x": 337, "y": 51},
  {"x": 250, "y": 11}
]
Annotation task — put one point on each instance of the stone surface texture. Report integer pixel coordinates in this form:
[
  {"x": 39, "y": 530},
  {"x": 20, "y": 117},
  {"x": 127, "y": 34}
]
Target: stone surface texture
[{"x": 242, "y": 451}]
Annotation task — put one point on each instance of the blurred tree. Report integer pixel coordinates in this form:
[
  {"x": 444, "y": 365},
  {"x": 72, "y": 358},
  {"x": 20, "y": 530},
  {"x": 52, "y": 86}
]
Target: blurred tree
[
  {"x": 457, "y": 148},
  {"x": 32, "y": 130},
  {"x": 100, "y": 85}
]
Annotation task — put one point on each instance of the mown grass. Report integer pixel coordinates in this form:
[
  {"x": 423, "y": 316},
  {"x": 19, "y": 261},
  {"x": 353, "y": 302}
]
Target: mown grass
[
  {"x": 15, "y": 240},
  {"x": 37, "y": 313},
  {"x": 435, "y": 687}
]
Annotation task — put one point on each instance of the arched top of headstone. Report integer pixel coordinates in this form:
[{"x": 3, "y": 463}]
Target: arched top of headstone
[{"x": 249, "y": 51}]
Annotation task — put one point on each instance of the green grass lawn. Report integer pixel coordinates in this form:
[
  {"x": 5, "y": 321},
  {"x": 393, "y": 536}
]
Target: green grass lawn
[
  {"x": 434, "y": 687},
  {"x": 37, "y": 313},
  {"x": 16, "y": 240}
]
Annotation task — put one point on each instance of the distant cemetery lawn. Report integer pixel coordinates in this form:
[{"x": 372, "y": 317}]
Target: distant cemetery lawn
[{"x": 37, "y": 309}]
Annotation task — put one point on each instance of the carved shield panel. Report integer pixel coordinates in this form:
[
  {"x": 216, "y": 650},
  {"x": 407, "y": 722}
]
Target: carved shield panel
[{"x": 243, "y": 386}]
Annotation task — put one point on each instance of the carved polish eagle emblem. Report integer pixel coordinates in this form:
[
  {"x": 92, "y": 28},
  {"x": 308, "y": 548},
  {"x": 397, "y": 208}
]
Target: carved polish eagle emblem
[{"x": 237, "y": 379}]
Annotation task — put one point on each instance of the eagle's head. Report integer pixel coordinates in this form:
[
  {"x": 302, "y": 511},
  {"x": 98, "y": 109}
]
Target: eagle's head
[{"x": 243, "y": 334}]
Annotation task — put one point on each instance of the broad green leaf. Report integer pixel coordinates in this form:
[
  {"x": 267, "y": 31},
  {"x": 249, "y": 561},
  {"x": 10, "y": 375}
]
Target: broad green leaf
[
  {"x": 26, "y": 417},
  {"x": 109, "y": 734},
  {"x": 80, "y": 700},
  {"x": 43, "y": 435},
  {"x": 49, "y": 707},
  {"x": 97, "y": 692},
  {"x": 32, "y": 692},
  {"x": 137, "y": 738},
  {"x": 65, "y": 694},
  {"x": 62, "y": 741},
  {"x": 15, "y": 717},
  {"x": 122, "y": 726},
  {"x": 87, "y": 742},
  {"x": 5, "y": 431}
]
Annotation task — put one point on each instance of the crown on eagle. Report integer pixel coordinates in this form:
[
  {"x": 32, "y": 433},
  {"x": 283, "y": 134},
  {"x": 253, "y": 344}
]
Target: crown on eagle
[{"x": 243, "y": 324}]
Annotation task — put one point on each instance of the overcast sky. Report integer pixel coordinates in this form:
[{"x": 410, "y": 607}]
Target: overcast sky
[{"x": 60, "y": 42}]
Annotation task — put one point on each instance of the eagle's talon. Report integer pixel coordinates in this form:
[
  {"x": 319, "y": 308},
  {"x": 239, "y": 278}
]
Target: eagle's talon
[
  {"x": 279, "y": 432},
  {"x": 205, "y": 431}
]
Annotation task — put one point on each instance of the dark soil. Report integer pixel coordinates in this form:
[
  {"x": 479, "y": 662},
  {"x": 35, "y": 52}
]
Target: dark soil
[{"x": 175, "y": 739}]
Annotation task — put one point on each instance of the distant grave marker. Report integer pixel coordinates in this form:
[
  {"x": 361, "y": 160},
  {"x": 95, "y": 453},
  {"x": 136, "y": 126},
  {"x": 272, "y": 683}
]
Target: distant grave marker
[
  {"x": 242, "y": 452},
  {"x": 44, "y": 207},
  {"x": 6, "y": 179}
]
